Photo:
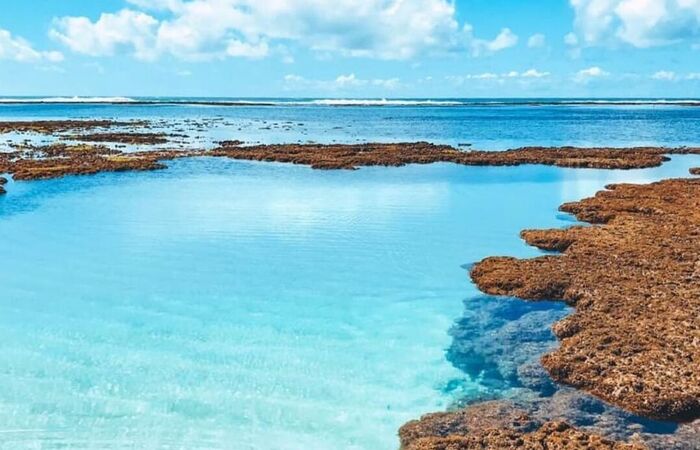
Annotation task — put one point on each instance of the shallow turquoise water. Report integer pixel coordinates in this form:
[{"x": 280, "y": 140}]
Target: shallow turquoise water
[{"x": 223, "y": 304}]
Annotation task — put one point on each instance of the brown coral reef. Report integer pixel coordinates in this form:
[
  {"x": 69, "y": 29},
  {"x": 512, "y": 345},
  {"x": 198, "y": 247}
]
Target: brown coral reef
[
  {"x": 30, "y": 161},
  {"x": 123, "y": 138},
  {"x": 634, "y": 340},
  {"x": 337, "y": 156},
  {"x": 498, "y": 425},
  {"x": 57, "y": 160},
  {"x": 60, "y": 126}
]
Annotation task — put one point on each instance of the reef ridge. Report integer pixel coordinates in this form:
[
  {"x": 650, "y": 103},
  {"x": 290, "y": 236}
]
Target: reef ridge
[
  {"x": 634, "y": 339},
  {"x": 342, "y": 156}
]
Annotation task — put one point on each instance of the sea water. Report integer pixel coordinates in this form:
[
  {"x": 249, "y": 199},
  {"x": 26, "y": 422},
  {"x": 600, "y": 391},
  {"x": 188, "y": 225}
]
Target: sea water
[
  {"x": 482, "y": 124},
  {"x": 220, "y": 304}
]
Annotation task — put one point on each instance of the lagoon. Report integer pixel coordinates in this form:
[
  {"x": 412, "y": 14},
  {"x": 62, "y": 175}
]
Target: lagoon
[{"x": 225, "y": 304}]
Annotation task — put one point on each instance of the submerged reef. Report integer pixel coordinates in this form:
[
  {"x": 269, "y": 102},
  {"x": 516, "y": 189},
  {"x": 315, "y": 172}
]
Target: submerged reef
[
  {"x": 499, "y": 342},
  {"x": 3, "y": 181}
]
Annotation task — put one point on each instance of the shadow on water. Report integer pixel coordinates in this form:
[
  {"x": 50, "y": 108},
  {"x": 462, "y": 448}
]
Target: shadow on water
[{"x": 498, "y": 343}]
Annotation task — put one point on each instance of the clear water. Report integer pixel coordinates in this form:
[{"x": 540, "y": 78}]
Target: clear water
[{"x": 236, "y": 305}]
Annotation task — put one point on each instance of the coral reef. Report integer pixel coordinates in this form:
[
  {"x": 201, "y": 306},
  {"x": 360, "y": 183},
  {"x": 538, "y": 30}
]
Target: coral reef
[
  {"x": 30, "y": 161},
  {"x": 122, "y": 138},
  {"x": 232, "y": 143},
  {"x": 57, "y": 160},
  {"x": 60, "y": 126},
  {"x": 635, "y": 283},
  {"x": 338, "y": 156},
  {"x": 634, "y": 280},
  {"x": 498, "y": 343},
  {"x": 498, "y": 425}
]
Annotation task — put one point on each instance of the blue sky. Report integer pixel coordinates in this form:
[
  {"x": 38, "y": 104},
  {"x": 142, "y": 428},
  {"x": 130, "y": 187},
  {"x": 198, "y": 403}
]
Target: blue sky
[{"x": 351, "y": 48}]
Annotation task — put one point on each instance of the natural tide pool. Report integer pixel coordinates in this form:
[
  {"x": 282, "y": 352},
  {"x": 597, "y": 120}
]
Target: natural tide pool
[{"x": 237, "y": 305}]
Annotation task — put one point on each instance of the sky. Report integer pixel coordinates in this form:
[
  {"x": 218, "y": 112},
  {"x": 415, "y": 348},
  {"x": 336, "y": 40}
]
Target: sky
[{"x": 351, "y": 48}]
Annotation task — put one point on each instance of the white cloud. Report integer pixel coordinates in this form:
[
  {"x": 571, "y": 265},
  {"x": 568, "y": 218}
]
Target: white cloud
[
  {"x": 571, "y": 40},
  {"x": 20, "y": 50},
  {"x": 641, "y": 23},
  {"x": 205, "y": 29},
  {"x": 478, "y": 76},
  {"x": 523, "y": 77},
  {"x": 586, "y": 75},
  {"x": 533, "y": 73},
  {"x": 241, "y": 49},
  {"x": 505, "y": 39},
  {"x": 156, "y": 5},
  {"x": 664, "y": 75},
  {"x": 389, "y": 84},
  {"x": 345, "y": 82},
  {"x": 126, "y": 28},
  {"x": 294, "y": 79},
  {"x": 537, "y": 40}
]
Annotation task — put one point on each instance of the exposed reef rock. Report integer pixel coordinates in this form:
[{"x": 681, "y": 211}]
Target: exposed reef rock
[
  {"x": 634, "y": 340},
  {"x": 354, "y": 156},
  {"x": 123, "y": 138},
  {"x": 695, "y": 171},
  {"x": 60, "y": 126},
  {"x": 57, "y": 160},
  {"x": 498, "y": 425},
  {"x": 233, "y": 143},
  {"x": 523, "y": 414},
  {"x": 30, "y": 161},
  {"x": 3, "y": 181}
]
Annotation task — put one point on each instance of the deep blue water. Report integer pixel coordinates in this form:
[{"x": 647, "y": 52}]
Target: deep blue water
[{"x": 238, "y": 305}]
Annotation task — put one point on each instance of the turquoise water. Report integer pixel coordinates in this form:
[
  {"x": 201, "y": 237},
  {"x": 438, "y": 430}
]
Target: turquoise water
[{"x": 234, "y": 305}]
